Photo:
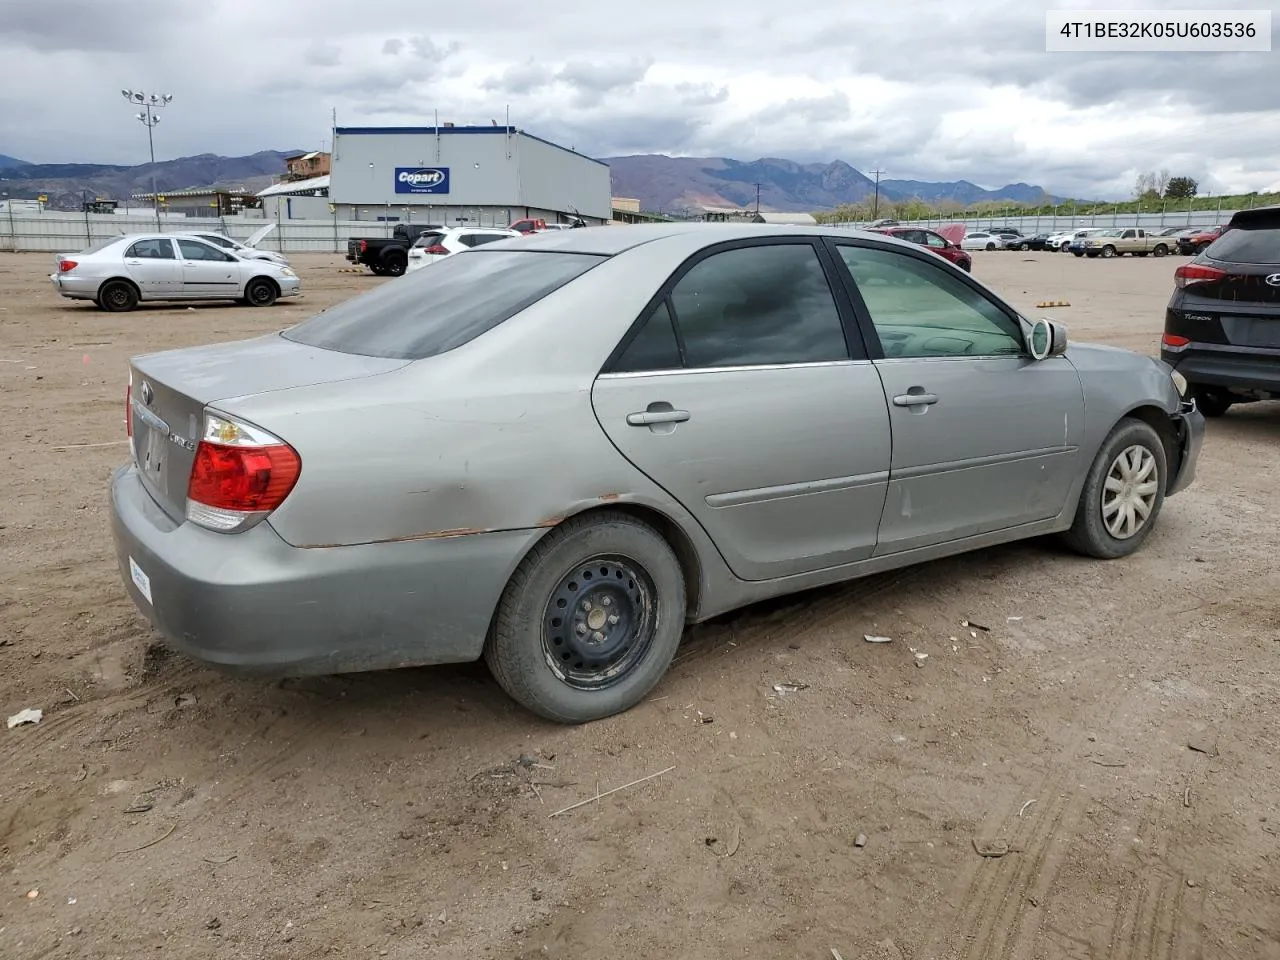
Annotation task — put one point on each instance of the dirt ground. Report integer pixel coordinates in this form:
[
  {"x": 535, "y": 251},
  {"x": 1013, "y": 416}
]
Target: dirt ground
[{"x": 1115, "y": 726}]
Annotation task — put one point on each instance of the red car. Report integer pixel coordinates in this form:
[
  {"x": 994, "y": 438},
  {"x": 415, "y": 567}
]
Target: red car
[
  {"x": 1197, "y": 242},
  {"x": 945, "y": 242}
]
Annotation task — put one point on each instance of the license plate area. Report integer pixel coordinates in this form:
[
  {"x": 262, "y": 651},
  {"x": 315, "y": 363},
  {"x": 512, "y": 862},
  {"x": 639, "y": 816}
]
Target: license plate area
[
  {"x": 140, "y": 579},
  {"x": 1252, "y": 331}
]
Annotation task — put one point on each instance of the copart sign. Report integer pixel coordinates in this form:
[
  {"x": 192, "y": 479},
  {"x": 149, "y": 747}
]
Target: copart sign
[{"x": 422, "y": 179}]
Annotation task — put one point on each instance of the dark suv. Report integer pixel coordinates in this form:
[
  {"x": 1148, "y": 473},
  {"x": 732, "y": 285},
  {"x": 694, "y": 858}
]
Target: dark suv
[{"x": 1222, "y": 325}]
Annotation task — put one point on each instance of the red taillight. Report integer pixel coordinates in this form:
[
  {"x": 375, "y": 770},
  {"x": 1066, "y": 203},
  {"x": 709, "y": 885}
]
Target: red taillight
[
  {"x": 1191, "y": 273},
  {"x": 1174, "y": 342},
  {"x": 65, "y": 265},
  {"x": 364, "y": 246},
  {"x": 240, "y": 474},
  {"x": 243, "y": 479},
  {"x": 437, "y": 250}
]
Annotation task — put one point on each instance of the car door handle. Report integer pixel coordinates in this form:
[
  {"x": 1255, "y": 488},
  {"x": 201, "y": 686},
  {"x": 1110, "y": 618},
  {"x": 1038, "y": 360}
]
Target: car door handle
[
  {"x": 650, "y": 417},
  {"x": 915, "y": 399}
]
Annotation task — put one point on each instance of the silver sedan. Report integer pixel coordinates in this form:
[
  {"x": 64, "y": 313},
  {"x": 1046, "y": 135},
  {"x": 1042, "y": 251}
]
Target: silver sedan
[
  {"x": 119, "y": 273},
  {"x": 555, "y": 452}
]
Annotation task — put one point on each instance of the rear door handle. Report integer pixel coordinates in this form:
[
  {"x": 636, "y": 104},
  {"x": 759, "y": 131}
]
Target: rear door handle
[
  {"x": 657, "y": 416},
  {"x": 915, "y": 399}
]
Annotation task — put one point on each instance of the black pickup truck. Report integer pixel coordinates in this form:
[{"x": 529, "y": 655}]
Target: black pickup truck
[{"x": 388, "y": 256}]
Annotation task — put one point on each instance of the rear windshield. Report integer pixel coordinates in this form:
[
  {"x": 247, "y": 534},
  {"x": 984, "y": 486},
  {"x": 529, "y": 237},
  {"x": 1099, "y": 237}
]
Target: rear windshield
[
  {"x": 428, "y": 312},
  {"x": 1245, "y": 245}
]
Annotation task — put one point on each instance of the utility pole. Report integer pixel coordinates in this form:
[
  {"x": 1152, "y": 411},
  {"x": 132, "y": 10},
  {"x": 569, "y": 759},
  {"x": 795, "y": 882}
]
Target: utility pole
[
  {"x": 875, "y": 204},
  {"x": 757, "y": 199},
  {"x": 150, "y": 116}
]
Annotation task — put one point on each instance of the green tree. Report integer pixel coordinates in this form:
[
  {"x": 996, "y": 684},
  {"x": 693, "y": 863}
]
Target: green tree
[{"x": 1180, "y": 188}]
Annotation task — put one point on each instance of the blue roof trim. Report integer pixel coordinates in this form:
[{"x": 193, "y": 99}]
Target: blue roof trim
[{"x": 432, "y": 131}]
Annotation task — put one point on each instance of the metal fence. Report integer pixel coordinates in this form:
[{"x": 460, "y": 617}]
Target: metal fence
[
  {"x": 1052, "y": 224},
  {"x": 71, "y": 232}
]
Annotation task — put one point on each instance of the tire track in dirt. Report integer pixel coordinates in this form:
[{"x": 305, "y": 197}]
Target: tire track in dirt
[{"x": 1003, "y": 901}]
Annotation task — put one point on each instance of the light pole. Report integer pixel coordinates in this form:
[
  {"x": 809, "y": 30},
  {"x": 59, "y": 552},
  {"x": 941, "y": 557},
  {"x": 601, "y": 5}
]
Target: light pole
[{"x": 150, "y": 116}]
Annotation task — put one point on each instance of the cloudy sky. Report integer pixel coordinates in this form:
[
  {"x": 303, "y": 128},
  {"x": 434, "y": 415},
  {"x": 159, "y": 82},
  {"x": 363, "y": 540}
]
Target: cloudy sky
[{"x": 925, "y": 89}]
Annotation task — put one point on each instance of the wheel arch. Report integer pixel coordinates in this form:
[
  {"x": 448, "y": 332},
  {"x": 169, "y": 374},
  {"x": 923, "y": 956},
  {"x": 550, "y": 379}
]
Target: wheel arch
[
  {"x": 669, "y": 529},
  {"x": 120, "y": 279},
  {"x": 262, "y": 276},
  {"x": 1158, "y": 420}
]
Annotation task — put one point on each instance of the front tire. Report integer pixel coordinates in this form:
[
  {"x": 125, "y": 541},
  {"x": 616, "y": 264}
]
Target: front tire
[
  {"x": 991, "y": 246},
  {"x": 260, "y": 293},
  {"x": 1108, "y": 251},
  {"x": 118, "y": 296},
  {"x": 1122, "y": 494},
  {"x": 1161, "y": 250},
  {"x": 589, "y": 621}
]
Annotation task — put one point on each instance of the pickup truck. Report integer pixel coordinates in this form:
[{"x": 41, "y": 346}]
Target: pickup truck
[
  {"x": 1121, "y": 240},
  {"x": 388, "y": 256}
]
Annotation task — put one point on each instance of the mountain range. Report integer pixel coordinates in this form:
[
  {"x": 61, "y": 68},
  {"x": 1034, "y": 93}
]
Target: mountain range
[
  {"x": 660, "y": 183},
  {"x": 672, "y": 184},
  {"x": 66, "y": 184}
]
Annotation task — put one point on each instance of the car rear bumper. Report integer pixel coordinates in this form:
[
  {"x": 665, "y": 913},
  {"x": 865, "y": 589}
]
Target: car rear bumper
[
  {"x": 1250, "y": 370},
  {"x": 1188, "y": 432},
  {"x": 249, "y": 602},
  {"x": 76, "y": 288}
]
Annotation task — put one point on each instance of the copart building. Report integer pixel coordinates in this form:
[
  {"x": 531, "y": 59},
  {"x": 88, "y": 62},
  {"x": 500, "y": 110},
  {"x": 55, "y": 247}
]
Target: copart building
[{"x": 454, "y": 175}]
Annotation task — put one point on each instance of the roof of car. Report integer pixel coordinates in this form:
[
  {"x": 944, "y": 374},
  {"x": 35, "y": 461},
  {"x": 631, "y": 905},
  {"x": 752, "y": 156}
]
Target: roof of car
[
  {"x": 611, "y": 240},
  {"x": 1256, "y": 217}
]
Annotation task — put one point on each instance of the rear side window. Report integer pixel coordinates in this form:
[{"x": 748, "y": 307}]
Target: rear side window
[
  {"x": 155, "y": 249},
  {"x": 421, "y": 316},
  {"x": 1245, "y": 245}
]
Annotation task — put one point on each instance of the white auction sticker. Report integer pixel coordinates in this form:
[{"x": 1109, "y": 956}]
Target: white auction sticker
[
  {"x": 1157, "y": 31},
  {"x": 140, "y": 579}
]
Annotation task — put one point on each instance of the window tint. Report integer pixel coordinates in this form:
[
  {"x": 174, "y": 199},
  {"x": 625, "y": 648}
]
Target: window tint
[
  {"x": 654, "y": 347},
  {"x": 151, "y": 250},
  {"x": 935, "y": 241},
  {"x": 1246, "y": 245},
  {"x": 428, "y": 240},
  {"x": 920, "y": 310},
  {"x": 432, "y": 311},
  {"x": 478, "y": 239},
  {"x": 220, "y": 241},
  {"x": 195, "y": 250},
  {"x": 758, "y": 304}
]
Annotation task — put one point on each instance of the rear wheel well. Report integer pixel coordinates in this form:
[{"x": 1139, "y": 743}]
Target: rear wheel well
[
  {"x": 671, "y": 532},
  {"x": 125, "y": 280}
]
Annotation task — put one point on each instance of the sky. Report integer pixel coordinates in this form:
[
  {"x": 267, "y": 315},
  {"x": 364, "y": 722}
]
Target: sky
[{"x": 922, "y": 89}]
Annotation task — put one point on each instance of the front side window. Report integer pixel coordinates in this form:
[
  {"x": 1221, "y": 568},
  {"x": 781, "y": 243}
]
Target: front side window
[
  {"x": 935, "y": 241},
  {"x": 195, "y": 250},
  {"x": 919, "y": 309},
  {"x": 763, "y": 304}
]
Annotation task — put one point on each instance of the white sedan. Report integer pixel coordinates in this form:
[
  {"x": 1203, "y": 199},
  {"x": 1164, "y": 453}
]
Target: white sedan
[
  {"x": 982, "y": 240},
  {"x": 248, "y": 250},
  {"x": 438, "y": 244},
  {"x": 119, "y": 273}
]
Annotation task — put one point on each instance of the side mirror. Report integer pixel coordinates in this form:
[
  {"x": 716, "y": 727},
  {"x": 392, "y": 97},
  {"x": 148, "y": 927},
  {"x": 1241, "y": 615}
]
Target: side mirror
[{"x": 1047, "y": 339}]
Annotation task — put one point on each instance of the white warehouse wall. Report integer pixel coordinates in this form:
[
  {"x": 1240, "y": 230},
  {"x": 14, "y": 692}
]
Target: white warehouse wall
[{"x": 486, "y": 167}]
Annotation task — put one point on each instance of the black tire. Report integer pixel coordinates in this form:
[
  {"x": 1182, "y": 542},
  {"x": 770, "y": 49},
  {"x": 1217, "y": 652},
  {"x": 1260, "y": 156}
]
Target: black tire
[
  {"x": 1023, "y": 247},
  {"x": 1078, "y": 253},
  {"x": 632, "y": 566},
  {"x": 118, "y": 296},
  {"x": 966, "y": 266},
  {"x": 1212, "y": 402},
  {"x": 1161, "y": 250},
  {"x": 1089, "y": 534},
  {"x": 1091, "y": 256},
  {"x": 1108, "y": 251},
  {"x": 991, "y": 246},
  {"x": 378, "y": 270},
  {"x": 261, "y": 292},
  {"x": 395, "y": 264}
]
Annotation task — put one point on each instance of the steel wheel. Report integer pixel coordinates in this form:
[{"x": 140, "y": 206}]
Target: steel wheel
[
  {"x": 599, "y": 622},
  {"x": 118, "y": 297},
  {"x": 1129, "y": 492},
  {"x": 260, "y": 293}
]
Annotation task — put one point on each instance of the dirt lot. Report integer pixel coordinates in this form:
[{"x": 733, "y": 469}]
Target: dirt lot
[{"x": 163, "y": 809}]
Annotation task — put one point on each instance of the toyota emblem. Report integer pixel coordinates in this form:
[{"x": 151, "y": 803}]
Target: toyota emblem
[
  {"x": 1273, "y": 280},
  {"x": 148, "y": 394}
]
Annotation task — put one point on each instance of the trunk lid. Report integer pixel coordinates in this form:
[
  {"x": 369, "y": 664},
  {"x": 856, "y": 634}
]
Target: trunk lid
[{"x": 171, "y": 390}]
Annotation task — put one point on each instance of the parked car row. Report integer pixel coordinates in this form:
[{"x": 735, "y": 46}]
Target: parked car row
[
  {"x": 391, "y": 256},
  {"x": 120, "y": 272},
  {"x": 1187, "y": 241}
]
